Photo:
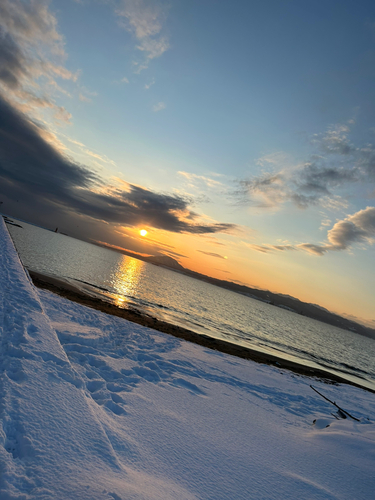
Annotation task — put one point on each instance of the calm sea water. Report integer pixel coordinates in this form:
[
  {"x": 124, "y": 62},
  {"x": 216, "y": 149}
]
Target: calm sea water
[{"x": 193, "y": 304}]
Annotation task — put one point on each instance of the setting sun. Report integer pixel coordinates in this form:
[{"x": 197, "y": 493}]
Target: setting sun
[{"x": 143, "y": 232}]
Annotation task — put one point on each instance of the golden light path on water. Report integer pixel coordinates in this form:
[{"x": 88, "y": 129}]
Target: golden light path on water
[{"x": 126, "y": 278}]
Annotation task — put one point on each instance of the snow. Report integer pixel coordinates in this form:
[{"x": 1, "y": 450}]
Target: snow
[{"x": 95, "y": 407}]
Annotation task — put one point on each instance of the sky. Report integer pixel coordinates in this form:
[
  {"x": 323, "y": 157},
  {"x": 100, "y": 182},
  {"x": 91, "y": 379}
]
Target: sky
[{"x": 239, "y": 135}]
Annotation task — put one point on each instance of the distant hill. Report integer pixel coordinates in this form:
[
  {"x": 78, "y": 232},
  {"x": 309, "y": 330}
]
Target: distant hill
[
  {"x": 279, "y": 300},
  {"x": 291, "y": 304},
  {"x": 165, "y": 261}
]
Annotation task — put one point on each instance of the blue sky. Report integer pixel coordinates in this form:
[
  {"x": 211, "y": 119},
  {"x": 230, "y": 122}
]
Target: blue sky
[{"x": 242, "y": 130}]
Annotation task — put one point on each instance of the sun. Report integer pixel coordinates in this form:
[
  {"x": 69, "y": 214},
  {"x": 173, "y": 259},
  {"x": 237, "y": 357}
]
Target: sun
[{"x": 143, "y": 232}]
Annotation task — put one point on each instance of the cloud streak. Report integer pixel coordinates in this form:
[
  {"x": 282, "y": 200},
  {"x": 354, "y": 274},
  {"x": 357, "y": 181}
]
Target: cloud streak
[
  {"x": 270, "y": 248},
  {"x": 194, "y": 179},
  {"x": 159, "y": 107},
  {"x": 212, "y": 254}
]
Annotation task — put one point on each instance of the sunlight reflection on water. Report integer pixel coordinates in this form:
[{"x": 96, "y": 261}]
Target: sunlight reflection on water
[{"x": 125, "y": 278}]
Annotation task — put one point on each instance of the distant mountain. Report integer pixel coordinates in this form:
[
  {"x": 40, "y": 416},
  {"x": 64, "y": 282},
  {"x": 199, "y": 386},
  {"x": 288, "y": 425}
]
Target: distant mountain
[
  {"x": 291, "y": 304},
  {"x": 279, "y": 300},
  {"x": 165, "y": 261}
]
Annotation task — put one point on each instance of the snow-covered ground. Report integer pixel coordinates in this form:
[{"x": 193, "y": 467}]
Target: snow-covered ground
[{"x": 95, "y": 407}]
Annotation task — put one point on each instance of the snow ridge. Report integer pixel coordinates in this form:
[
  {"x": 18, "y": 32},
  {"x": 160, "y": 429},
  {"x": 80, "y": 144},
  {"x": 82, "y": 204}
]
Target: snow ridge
[{"x": 48, "y": 429}]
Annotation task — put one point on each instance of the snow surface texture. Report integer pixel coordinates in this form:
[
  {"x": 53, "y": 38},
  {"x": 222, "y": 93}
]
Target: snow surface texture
[{"x": 95, "y": 407}]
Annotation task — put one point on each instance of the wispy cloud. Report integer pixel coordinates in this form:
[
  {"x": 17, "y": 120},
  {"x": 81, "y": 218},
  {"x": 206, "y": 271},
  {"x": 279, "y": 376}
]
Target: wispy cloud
[
  {"x": 101, "y": 158},
  {"x": 145, "y": 20},
  {"x": 321, "y": 180},
  {"x": 325, "y": 223},
  {"x": 84, "y": 98},
  {"x": 86, "y": 95},
  {"x": 83, "y": 151},
  {"x": 193, "y": 179},
  {"x": 159, "y": 107},
  {"x": 150, "y": 84},
  {"x": 76, "y": 143},
  {"x": 270, "y": 248}
]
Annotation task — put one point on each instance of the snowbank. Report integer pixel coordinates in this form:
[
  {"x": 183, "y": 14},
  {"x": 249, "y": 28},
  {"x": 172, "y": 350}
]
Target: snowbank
[{"x": 95, "y": 407}]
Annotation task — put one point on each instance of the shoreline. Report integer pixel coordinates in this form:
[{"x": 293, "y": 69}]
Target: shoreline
[{"x": 74, "y": 294}]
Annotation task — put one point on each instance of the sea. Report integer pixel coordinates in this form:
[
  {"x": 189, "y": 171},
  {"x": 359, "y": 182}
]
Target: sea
[{"x": 196, "y": 305}]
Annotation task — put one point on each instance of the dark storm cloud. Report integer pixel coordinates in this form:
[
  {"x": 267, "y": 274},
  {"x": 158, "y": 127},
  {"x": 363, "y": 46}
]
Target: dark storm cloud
[
  {"x": 35, "y": 174},
  {"x": 139, "y": 206}
]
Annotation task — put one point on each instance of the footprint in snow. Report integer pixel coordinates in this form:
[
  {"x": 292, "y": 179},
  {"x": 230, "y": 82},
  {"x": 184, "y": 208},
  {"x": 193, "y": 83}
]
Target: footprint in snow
[{"x": 180, "y": 382}]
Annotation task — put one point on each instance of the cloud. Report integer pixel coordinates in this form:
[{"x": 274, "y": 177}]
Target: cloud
[
  {"x": 124, "y": 80},
  {"x": 159, "y": 107},
  {"x": 29, "y": 163},
  {"x": 325, "y": 223},
  {"x": 32, "y": 56},
  {"x": 268, "y": 190},
  {"x": 270, "y": 248},
  {"x": 84, "y": 98},
  {"x": 194, "y": 178},
  {"x": 77, "y": 143},
  {"x": 45, "y": 182},
  {"x": 356, "y": 228},
  {"x": 153, "y": 48},
  {"x": 150, "y": 84},
  {"x": 313, "y": 249},
  {"x": 86, "y": 95},
  {"x": 335, "y": 140},
  {"x": 321, "y": 180},
  {"x": 101, "y": 158},
  {"x": 145, "y": 20},
  {"x": 212, "y": 254},
  {"x": 12, "y": 60}
]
